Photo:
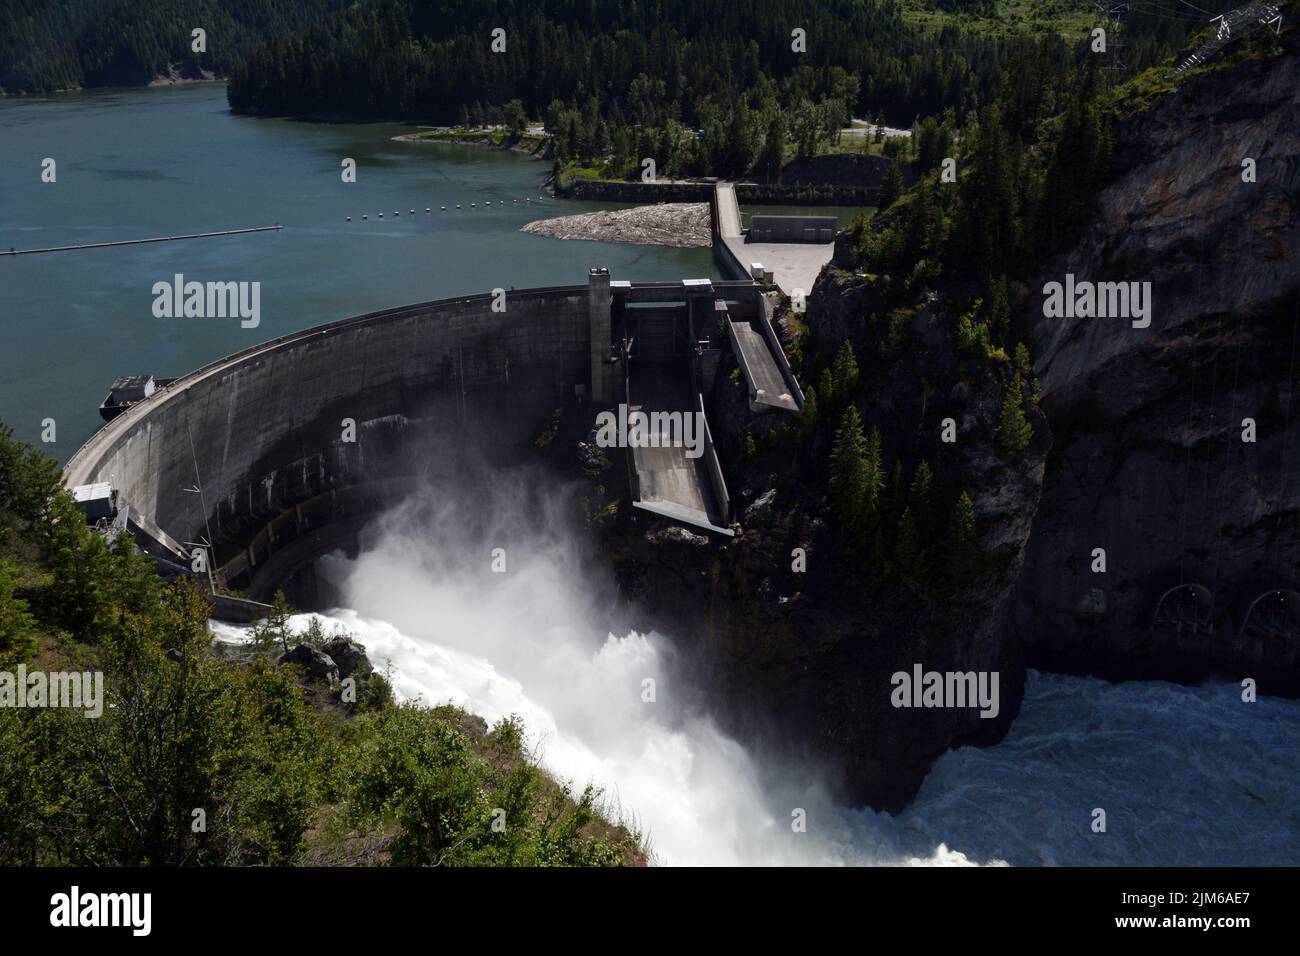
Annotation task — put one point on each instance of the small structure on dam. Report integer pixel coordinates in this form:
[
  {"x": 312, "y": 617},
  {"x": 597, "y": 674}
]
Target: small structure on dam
[{"x": 284, "y": 451}]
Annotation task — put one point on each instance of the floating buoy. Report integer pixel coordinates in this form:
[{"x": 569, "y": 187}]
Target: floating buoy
[
  {"x": 457, "y": 205},
  {"x": 349, "y": 218},
  {"x": 473, "y": 205},
  {"x": 443, "y": 208},
  {"x": 413, "y": 212},
  {"x": 427, "y": 209},
  {"x": 396, "y": 213},
  {"x": 365, "y": 217},
  {"x": 381, "y": 215}
]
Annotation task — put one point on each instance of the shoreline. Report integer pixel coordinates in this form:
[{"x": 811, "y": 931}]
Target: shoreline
[{"x": 484, "y": 141}]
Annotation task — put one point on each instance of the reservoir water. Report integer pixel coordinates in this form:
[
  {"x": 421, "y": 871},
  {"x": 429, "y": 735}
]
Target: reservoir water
[
  {"x": 150, "y": 162},
  {"x": 1186, "y": 775}
]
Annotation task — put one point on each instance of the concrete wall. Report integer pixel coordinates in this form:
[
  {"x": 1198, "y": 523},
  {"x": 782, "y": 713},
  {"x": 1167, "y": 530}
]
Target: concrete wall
[
  {"x": 793, "y": 228},
  {"x": 423, "y": 383}
]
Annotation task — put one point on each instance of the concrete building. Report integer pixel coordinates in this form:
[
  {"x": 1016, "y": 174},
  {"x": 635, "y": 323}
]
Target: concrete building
[{"x": 793, "y": 228}]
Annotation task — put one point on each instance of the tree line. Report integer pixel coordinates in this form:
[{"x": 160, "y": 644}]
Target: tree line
[{"x": 82, "y": 43}]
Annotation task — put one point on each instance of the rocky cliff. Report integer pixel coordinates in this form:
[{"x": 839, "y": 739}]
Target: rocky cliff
[{"x": 1153, "y": 460}]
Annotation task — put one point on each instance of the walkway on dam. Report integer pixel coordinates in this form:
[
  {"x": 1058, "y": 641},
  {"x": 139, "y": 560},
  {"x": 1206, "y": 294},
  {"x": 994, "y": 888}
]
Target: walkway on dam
[
  {"x": 793, "y": 265},
  {"x": 667, "y": 481}
]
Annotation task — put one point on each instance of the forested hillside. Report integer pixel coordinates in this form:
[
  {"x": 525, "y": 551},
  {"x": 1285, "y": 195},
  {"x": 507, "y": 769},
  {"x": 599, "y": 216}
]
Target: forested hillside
[
  {"x": 47, "y": 45},
  {"x": 419, "y": 59},
  {"x": 705, "y": 86},
  {"x": 195, "y": 756}
]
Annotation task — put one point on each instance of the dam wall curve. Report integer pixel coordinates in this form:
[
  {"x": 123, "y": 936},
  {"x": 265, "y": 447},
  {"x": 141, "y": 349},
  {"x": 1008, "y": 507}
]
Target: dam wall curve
[{"x": 254, "y": 451}]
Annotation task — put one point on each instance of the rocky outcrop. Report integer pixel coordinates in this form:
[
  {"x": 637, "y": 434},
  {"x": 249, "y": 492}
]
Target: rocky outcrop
[
  {"x": 349, "y": 656},
  {"x": 314, "y": 662},
  {"x": 1149, "y": 462}
]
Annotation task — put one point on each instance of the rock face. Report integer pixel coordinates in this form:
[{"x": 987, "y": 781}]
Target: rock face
[{"x": 1149, "y": 461}]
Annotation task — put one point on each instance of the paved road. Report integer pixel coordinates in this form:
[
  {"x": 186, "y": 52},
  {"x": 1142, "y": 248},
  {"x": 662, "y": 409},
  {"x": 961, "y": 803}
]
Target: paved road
[{"x": 728, "y": 211}]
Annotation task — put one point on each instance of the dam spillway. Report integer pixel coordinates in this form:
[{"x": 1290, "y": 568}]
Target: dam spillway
[{"x": 278, "y": 453}]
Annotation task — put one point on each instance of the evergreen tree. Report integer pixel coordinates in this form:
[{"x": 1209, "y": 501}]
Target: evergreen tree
[
  {"x": 826, "y": 388},
  {"x": 998, "y": 309},
  {"x": 874, "y": 481},
  {"x": 891, "y": 186},
  {"x": 848, "y": 475},
  {"x": 920, "y": 495},
  {"x": 773, "y": 157},
  {"x": 845, "y": 372},
  {"x": 1014, "y": 431},
  {"x": 514, "y": 117},
  {"x": 17, "y": 625},
  {"x": 963, "y": 543}
]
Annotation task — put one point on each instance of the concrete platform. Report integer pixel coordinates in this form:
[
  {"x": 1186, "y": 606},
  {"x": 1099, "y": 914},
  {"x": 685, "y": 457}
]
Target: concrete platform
[
  {"x": 670, "y": 483},
  {"x": 766, "y": 383},
  {"x": 794, "y": 265}
]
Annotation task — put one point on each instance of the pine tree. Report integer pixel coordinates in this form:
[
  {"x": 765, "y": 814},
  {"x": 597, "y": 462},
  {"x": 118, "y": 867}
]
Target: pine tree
[
  {"x": 963, "y": 543},
  {"x": 848, "y": 479},
  {"x": 1014, "y": 431},
  {"x": 920, "y": 498},
  {"x": 998, "y": 309},
  {"x": 845, "y": 373},
  {"x": 826, "y": 387},
  {"x": 875, "y": 474},
  {"x": 891, "y": 186},
  {"x": 773, "y": 157}
]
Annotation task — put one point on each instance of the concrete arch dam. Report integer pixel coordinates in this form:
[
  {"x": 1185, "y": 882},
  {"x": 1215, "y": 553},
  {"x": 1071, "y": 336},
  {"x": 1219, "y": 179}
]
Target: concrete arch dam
[
  {"x": 261, "y": 434},
  {"x": 252, "y": 453}
]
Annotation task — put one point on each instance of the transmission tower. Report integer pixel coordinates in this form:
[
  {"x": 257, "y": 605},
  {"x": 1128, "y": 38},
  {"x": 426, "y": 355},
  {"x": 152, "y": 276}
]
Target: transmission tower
[
  {"x": 1234, "y": 25},
  {"x": 1109, "y": 15}
]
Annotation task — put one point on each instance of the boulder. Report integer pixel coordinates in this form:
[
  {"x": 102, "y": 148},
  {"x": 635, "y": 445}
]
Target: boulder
[
  {"x": 313, "y": 661},
  {"x": 349, "y": 656}
]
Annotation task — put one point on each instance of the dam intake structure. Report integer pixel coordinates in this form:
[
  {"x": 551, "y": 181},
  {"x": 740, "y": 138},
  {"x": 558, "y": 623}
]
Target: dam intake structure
[{"x": 270, "y": 457}]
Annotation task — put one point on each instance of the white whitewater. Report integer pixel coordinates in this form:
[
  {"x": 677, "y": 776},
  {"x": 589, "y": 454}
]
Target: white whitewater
[{"x": 1185, "y": 775}]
